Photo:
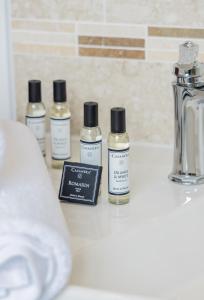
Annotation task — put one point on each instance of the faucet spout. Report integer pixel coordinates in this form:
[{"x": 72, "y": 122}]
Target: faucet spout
[{"x": 188, "y": 165}]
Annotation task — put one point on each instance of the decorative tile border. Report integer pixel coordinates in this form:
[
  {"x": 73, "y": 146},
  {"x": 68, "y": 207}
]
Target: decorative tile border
[
  {"x": 121, "y": 41},
  {"x": 176, "y": 32},
  {"x": 111, "y": 41},
  {"x": 114, "y": 53}
]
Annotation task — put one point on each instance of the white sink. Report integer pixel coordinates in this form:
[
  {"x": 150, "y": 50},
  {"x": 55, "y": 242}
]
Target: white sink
[{"x": 153, "y": 246}]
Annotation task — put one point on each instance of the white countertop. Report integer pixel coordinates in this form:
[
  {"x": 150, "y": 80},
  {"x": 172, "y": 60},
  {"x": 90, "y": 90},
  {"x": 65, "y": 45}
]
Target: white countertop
[{"x": 153, "y": 246}]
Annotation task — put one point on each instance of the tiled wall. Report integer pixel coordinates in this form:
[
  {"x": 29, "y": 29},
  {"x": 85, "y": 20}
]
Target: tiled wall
[{"x": 118, "y": 52}]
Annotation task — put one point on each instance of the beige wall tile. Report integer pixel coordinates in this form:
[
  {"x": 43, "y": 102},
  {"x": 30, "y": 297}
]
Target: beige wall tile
[
  {"x": 114, "y": 53},
  {"x": 156, "y": 46},
  {"x": 158, "y": 12},
  {"x": 106, "y": 67},
  {"x": 50, "y": 50},
  {"x": 123, "y": 30},
  {"x": 39, "y": 25},
  {"x": 154, "y": 43},
  {"x": 91, "y": 10},
  {"x": 161, "y": 56},
  {"x": 111, "y": 82},
  {"x": 44, "y": 38}
]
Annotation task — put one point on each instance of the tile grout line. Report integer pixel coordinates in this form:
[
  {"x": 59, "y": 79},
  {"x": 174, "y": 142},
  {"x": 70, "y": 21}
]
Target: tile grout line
[
  {"x": 145, "y": 46},
  {"x": 77, "y": 39}
]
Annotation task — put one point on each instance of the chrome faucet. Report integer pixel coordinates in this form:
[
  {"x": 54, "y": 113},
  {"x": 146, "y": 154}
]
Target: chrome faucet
[{"x": 188, "y": 166}]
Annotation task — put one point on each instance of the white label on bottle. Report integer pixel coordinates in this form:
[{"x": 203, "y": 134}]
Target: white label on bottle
[
  {"x": 60, "y": 138},
  {"x": 37, "y": 126},
  {"x": 118, "y": 177},
  {"x": 91, "y": 152}
]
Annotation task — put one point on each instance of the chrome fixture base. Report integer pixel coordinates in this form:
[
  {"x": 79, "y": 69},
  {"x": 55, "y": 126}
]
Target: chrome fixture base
[{"x": 186, "y": 179}]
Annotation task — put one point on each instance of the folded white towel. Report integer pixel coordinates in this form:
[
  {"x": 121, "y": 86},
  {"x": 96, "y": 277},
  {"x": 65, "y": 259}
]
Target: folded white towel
[{"x": 35, "y": 260}]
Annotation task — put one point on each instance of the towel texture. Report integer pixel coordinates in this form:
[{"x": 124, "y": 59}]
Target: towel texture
[{"x": 35, "y": 259}]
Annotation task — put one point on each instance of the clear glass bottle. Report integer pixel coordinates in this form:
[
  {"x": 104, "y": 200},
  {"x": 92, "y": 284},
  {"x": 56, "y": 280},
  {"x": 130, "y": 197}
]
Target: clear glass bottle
[
  {"x": 36, "y": 113},
  {"x": 60, "y": 117},
  {"x": 91, "y": 137},
  {"x": 118, "y": 153}
]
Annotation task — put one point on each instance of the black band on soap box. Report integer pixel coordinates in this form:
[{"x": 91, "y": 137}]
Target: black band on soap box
[{"x": 80, "y": 183}]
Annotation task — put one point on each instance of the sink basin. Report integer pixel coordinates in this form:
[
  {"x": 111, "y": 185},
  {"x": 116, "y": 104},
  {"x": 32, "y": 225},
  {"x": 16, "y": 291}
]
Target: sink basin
[{"x": 153, "y": 246}]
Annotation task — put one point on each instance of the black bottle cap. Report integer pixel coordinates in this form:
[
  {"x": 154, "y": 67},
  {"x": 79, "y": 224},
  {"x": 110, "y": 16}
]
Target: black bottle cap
[
  {"x": 34, "y": 91},
  {"x": 59, "y": 90},
  {"x": 118, "y": 122},
  {"x": 90, "y": 114}
]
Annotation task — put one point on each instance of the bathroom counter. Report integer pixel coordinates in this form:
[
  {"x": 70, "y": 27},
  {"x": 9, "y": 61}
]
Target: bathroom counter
[{"x": 153, "y": 246}]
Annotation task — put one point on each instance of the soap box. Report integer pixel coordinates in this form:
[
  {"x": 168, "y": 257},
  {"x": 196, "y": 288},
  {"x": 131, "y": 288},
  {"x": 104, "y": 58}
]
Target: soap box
[{"x": 80, "y": 183}]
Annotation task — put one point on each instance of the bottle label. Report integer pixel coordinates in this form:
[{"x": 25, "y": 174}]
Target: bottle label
[
  {"x": 37, "y": 126},
  {"x": 60, "y": 138},
  {"x": 91, "y": 152},
  {"x": 118, "y": 177}
]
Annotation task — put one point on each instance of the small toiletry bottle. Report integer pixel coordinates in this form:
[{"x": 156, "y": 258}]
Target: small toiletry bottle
[
  {"x": 118, "y": 152},
  {"x": 91, "y": 138},
  {"x": 60, "y": 117},
  {"x": 35, "y": 113}
]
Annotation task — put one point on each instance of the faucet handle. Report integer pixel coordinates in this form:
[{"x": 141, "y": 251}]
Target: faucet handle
[
  {"x": 188, "y": 70},
  {"x": 188, "y": 53}
]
